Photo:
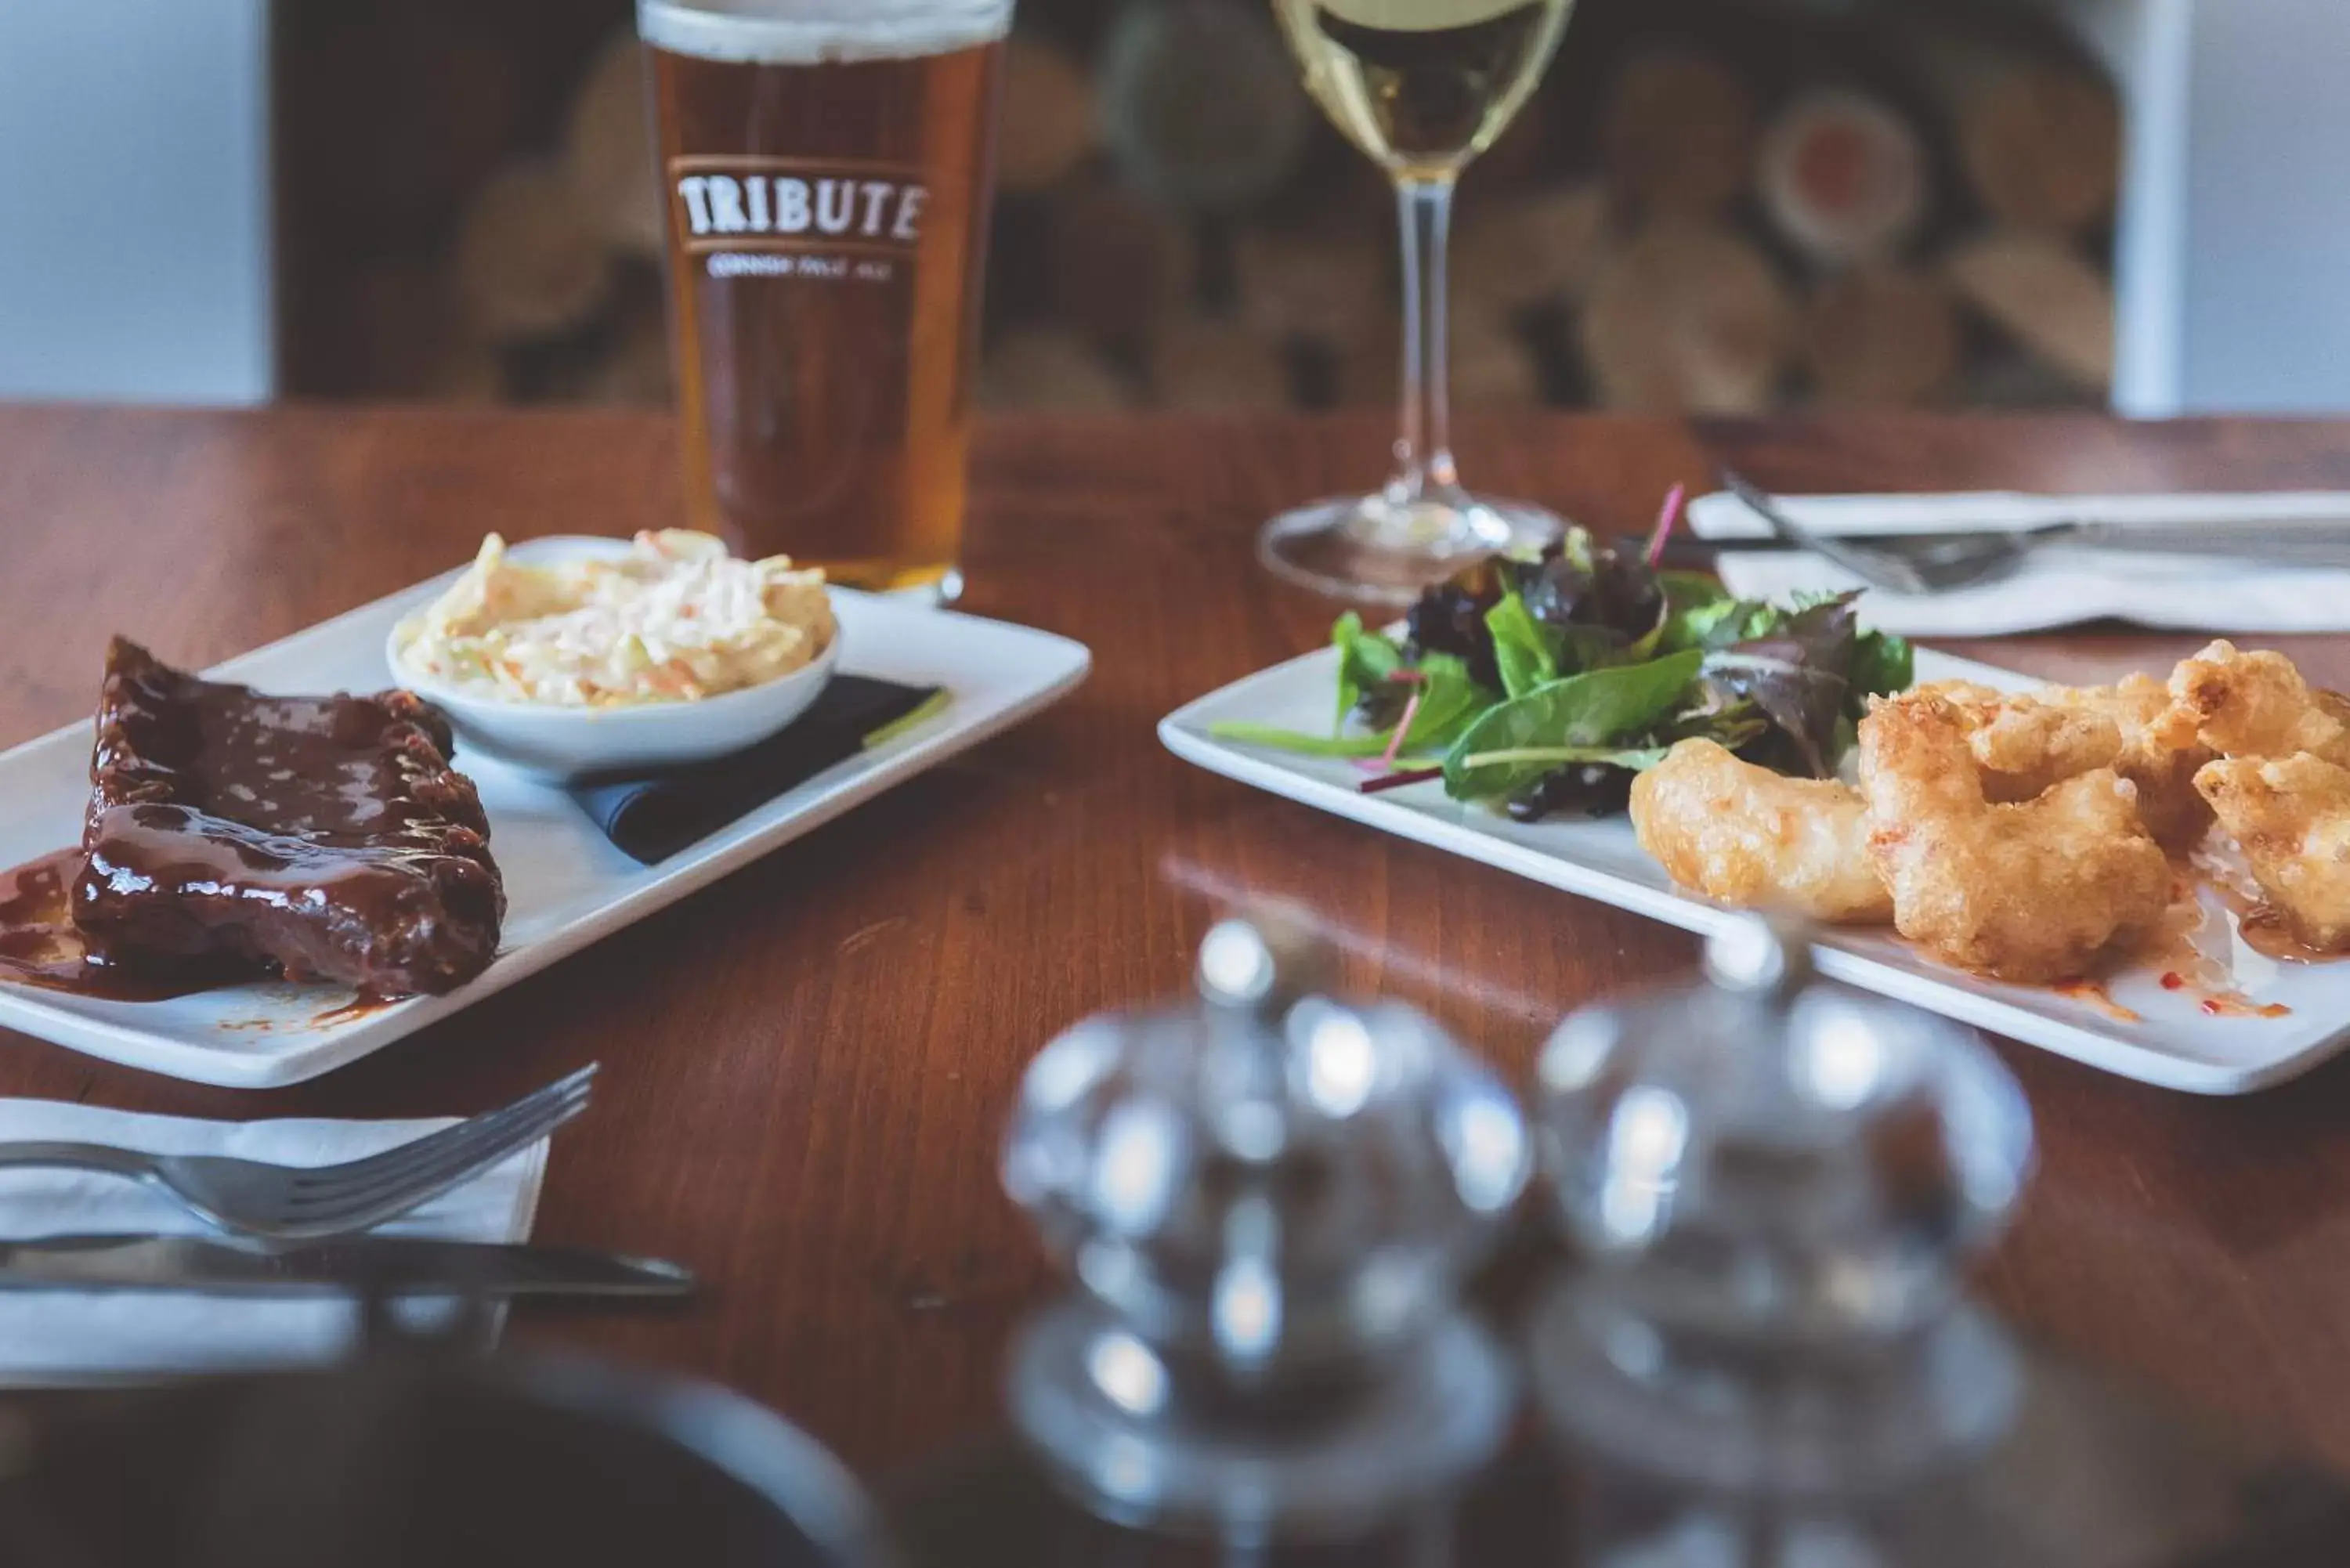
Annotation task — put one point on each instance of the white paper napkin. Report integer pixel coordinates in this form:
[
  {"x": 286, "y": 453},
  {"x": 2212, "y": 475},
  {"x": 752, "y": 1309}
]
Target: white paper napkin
[
  {"x": 2058, "y": 586},
  {"x": 49, "y": 1336}
]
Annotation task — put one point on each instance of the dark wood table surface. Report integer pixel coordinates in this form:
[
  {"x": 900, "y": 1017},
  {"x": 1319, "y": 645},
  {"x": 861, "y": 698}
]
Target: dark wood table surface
[{"x": 806, "y": 1068}]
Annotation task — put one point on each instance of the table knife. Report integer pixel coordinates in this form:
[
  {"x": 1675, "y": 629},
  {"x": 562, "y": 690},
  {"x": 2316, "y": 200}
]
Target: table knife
[{"x": 390, "y": 1265}]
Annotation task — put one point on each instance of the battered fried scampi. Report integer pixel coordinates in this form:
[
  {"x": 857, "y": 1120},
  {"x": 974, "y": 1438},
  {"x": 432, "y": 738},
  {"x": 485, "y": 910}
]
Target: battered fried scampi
[
  {"x": 2022, "y": 745},
  {"x": 1759, "y": 839},
  {"x": 2281, "y": 786},
  {"x": 2026, "y": 742},
  {"x": 2036, "y": 889},
  {"x": 2022, "y": 835},
  {"x": 2160, "y": 752},
  {"x": 2258, "y": 705},
  {"x": 2291, "y": 815}
]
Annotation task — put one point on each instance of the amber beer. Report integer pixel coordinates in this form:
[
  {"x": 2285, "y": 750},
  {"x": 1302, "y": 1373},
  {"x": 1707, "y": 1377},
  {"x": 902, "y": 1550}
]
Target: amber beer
[{"x": 827, "y": 164}]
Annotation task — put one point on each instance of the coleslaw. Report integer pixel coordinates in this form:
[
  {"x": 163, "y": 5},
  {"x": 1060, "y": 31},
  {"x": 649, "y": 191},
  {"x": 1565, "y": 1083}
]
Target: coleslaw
[{"x": 676, "y": 620}]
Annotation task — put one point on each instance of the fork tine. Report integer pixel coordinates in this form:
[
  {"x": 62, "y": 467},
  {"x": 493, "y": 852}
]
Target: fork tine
[
  {"x": 489, "y": 1123},
  {"x": 357, "y": 1210},
  {"x": 365, "y": 1210},
  {"x": 461, "y": 1132},
  {"x": 478, "y": 1151},
  {"x": 508, "y": 1134}
]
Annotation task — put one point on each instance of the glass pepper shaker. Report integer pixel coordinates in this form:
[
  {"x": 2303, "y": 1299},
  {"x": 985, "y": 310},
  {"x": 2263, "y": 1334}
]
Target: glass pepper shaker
[
  {"x": 1268, "y": 1199},
  {"x": 1774, "y": 1184}
]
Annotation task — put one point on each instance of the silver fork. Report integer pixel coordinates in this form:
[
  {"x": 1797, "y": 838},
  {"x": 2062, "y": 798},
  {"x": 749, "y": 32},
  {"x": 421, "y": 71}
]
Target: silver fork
[
  {"x": 291, "y": 1204},
  {"x": 1932, "y": 563}
]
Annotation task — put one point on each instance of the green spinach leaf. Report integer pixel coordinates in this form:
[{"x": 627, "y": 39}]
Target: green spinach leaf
[
  {"x": 1686, "y": 591},
  {"x": 1601, "y": 711},
  {"x": 1525, "y": 652},
  {"x": 1450, "y": 701},
  {"x": 1366, "y": 661},
  {"x": 1882, "y": 664}
]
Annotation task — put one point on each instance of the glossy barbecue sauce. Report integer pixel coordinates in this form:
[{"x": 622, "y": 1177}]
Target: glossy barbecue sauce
[
  {"x": 41, "y": 946},
  {"x": 318, "y": 838},
  {"x": 233, "y": 834}
]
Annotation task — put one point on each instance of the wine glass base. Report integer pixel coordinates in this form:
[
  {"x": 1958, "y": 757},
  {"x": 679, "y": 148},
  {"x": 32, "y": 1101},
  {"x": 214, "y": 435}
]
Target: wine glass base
[{"x": 1369, "y": 550}]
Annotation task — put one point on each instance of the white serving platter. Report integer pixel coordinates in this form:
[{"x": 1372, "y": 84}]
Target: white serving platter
[
  {"x": 2173, "y": 1042},
  {"x": 566, "y": 885}
]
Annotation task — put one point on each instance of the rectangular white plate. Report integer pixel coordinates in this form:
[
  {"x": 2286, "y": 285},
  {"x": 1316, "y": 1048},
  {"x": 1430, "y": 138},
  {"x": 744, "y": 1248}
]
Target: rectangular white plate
[
  {"x": 2174, "y": 1043},
  {"x": 565, "y": 884}
]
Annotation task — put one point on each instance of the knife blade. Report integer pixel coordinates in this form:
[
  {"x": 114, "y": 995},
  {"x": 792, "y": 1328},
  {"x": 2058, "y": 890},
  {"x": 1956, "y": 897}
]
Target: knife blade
[{"x": 386, "y": 1265}]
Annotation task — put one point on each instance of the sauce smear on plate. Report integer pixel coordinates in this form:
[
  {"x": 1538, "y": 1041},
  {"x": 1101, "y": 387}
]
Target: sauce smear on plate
[{"x": 40, "y": 945}]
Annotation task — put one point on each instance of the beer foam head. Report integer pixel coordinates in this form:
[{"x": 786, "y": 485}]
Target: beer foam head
[{"x": 810, "y": 32}]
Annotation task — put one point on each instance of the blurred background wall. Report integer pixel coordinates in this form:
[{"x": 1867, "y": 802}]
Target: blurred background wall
[
  {"x": 1716, "y": 205},
  {"x": 2267, "y": 290},
  {"x": 135, "y": 199}
]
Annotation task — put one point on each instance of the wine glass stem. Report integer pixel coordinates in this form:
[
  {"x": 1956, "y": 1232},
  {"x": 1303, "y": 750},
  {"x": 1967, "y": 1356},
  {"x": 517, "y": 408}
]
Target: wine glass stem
[{"x": 1423, "y": 448}]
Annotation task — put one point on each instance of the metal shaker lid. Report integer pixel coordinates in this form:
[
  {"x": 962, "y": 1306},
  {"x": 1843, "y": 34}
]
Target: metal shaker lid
[
  {"x": 1768, "y": 1157},
  {"x": 1265, "y": 1179}
]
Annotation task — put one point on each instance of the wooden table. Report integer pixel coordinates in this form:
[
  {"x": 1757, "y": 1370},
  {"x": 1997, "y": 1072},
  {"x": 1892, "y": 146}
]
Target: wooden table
[{"x": 807, "y": 1068}]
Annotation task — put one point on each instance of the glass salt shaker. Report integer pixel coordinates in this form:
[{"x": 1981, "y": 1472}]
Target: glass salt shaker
[
  {"x": 1269, "y": 1199},
  {"x": 1775, "y": 1184}
]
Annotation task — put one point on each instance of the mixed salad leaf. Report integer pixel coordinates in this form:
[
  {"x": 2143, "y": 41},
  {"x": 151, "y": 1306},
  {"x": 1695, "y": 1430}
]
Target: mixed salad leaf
[{"x": 1546, "y": 684}]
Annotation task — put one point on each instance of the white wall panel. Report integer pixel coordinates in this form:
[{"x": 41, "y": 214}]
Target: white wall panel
[{"x": 135, "y": 199}]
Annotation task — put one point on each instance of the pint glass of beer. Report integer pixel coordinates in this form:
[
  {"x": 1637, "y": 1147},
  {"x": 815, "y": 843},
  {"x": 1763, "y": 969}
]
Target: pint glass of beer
[{"x": 827, "y": 166}]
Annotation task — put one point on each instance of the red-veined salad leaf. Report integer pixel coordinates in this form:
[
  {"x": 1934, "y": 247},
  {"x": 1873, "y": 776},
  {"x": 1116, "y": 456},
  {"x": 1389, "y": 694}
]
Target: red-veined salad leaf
[{"x": 1800, "y": 674}]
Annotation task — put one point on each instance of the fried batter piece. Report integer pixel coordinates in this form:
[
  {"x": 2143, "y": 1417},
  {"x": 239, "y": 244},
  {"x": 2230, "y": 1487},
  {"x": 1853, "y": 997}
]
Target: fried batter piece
[
  {"x": 2258, "y": 705},
  {"x": 2160, "y": 752},
  {"x": 2026, "y": 743},
  {"x": 2022, "y": 744},
  {"x": 2292, "y": 817},
  {"x": 2030, "y": 891},
  {"x": 1742, "y": 834}
]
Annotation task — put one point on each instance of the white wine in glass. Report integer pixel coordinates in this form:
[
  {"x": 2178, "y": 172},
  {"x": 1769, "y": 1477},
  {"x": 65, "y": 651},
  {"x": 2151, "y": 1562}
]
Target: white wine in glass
[{"x": 1423, "y": 86}]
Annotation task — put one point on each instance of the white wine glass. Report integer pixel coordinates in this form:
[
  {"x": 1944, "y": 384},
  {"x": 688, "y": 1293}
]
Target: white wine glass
[{"x": 1423, "y": 86}]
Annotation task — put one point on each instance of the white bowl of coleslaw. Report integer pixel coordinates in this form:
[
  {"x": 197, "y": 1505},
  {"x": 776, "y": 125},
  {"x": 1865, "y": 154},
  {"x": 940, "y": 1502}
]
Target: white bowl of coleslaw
[{"x": 576, "y": 655}]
